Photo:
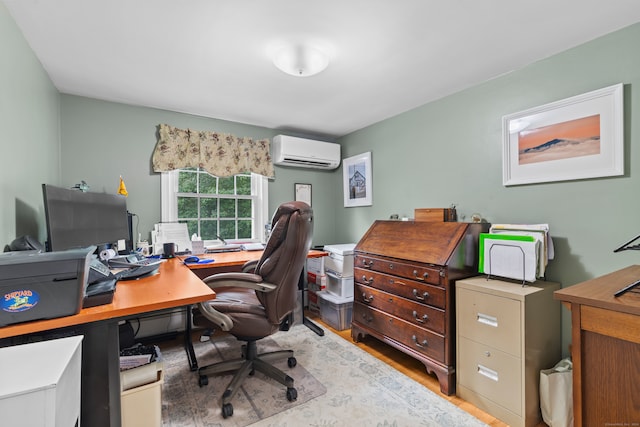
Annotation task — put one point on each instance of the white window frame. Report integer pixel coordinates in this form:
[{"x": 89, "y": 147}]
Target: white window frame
[{"x": 259, "y": 188}]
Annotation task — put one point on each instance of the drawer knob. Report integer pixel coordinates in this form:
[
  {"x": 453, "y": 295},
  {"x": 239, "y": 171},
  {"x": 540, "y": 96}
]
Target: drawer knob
[
  {"x": 367, "y": 264},
  {"x": 423, "y": 277},
  {"x": 390, "y": 266},
  {"x": 422, "y": 344},
  {"x": 422, "y": 319},
  {"x": 422, "y": 297},
  {"x": 366, "y": 318},
  {"x": 366, "y": 281},
  {"x": 365, "y": 299}
]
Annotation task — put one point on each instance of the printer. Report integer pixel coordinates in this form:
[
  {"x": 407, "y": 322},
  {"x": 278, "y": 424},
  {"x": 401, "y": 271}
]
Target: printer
[{"x": 42, "y": 285}]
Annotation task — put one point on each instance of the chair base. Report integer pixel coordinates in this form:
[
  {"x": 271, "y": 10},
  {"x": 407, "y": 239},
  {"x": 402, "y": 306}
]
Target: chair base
[{"x": 250, "y": 362}]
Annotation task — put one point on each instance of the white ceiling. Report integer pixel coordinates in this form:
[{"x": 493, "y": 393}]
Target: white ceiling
[{"x": 210, "y": 57}]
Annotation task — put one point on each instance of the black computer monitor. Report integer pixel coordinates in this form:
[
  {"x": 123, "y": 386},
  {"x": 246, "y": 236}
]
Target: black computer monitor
[{"x": 77, "y": 219}]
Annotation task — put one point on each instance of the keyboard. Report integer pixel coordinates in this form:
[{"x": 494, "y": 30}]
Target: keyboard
[
  {"x": 124, "y": 263},
  {"x": 139, "y": 271}
]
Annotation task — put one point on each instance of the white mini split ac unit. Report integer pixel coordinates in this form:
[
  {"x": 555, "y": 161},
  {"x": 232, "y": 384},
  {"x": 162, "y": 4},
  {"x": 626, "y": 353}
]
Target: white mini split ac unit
[{"x": 305, "y": 153}]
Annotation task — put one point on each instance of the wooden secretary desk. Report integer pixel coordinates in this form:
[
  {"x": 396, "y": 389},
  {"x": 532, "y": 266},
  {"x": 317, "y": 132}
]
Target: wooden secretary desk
[
  {"x": 605, "y": 334},
  {"x": 404, "y": 274}
]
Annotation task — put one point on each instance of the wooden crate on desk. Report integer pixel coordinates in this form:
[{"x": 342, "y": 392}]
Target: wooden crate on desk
[{"x": 435, "y": 214}]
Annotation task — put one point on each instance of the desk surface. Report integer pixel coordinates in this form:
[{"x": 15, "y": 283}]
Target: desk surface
[
  {"x": 599, "y": 292},
  {"x": 173, "y": 286},
  {"x": 237, "y": 258}
]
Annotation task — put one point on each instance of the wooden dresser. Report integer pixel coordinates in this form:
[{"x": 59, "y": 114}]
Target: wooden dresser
[
  {"x": 506, "y": 334},
  {"x": 404, "y": 273},
  {"x": 605, "y": 350}
]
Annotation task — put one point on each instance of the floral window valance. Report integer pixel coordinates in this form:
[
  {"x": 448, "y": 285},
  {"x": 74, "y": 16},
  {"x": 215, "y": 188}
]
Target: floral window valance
[{"x": 218, "y": 153}]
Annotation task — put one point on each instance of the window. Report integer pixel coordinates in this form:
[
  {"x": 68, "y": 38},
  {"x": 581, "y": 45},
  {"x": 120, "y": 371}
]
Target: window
[{"x": 234, "y": 208}]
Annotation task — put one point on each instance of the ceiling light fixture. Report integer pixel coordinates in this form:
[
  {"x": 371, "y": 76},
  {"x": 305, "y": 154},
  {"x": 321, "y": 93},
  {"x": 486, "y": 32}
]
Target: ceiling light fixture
[{"x": 300, "y": 60}]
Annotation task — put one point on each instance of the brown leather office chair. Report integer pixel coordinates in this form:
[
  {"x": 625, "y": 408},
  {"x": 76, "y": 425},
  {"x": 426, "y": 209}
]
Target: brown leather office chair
[{"x": 253, "y": 305}]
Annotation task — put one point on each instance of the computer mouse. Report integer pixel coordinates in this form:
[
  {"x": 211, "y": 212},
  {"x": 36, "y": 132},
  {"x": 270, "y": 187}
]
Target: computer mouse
[{"x": 191, "y": 259}]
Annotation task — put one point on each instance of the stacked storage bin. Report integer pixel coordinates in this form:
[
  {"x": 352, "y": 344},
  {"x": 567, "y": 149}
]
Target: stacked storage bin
[
  {"x": 336, "y": 302},
  {"x": 316, "y": 282}
]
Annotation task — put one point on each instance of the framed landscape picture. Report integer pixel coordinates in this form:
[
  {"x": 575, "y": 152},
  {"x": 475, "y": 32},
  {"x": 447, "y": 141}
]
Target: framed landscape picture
[
  {"x": 357, "y": 179},
  {"x": 574, "y": 138}
]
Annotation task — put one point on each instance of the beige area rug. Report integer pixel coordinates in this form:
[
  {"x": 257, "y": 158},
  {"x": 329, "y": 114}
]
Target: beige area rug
[
  {"x": 360, "y": 391},
  {"x": 185, "y": 403}
]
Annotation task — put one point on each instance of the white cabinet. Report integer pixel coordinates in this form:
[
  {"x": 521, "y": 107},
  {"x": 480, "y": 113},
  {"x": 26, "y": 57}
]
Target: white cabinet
[
  {"x": 506, "y": 334},
  {"x": 40, "y": 384}
]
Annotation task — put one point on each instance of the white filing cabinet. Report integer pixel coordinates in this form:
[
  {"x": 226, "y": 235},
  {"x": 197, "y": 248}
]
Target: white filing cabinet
[
  {"x": 41, "y": 383},
  {"x": 506, "y": 334}
]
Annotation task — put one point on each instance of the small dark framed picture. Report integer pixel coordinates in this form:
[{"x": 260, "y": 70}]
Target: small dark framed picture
[{"x": 303, "y": 193}]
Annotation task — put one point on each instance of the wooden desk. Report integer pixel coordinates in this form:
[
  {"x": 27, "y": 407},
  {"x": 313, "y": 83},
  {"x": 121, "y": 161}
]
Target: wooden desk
[
  {"x": 233, "y": 261},
  {"x": 605, "y": 334},
  {"x": 174, "y": 286}
]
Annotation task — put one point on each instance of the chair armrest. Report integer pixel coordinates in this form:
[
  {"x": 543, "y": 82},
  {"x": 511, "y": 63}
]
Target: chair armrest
[
  {"x": 220, "y": 280},
  {"x": 249, "y": 266},
  {"x": 220, "y": 319},
  {"x": 241, "y": 280}
]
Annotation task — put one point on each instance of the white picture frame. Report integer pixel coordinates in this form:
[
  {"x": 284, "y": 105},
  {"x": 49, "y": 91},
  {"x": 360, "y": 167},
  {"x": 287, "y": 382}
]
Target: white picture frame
[
  {"x": 575, "y": 138},
  {"x": 303, "y": 193},
  {"x": 357, "y": 180}
]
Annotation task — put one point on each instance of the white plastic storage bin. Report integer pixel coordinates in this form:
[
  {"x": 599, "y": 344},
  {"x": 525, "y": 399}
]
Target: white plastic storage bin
[
  {"x": 335, "y": 311},
  {"x": 340, "y": 286},
  {"x": 340, "y": 259}
]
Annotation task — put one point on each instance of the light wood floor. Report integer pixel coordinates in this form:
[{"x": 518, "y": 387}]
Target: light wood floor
[{"x": 412, "y": 368}]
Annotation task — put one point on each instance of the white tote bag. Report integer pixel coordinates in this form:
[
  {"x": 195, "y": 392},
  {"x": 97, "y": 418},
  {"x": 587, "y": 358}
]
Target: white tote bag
[{"x": 556, "y": 394}]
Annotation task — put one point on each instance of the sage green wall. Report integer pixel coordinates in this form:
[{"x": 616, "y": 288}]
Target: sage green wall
[
  {"x": 446, "y": 152},
  {"x": 449, "y": 152},
  {"x": 102, "y": 141},
  {"x": 29, "y": 141}
]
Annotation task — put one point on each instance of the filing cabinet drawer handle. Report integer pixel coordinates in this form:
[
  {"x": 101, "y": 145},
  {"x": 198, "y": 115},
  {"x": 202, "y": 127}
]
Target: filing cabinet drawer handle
[
  {"x": 422, "y": 319},
  {"x": 423, "y": 344},
  {"x": 366, "y": 281},
  {"x": 423, "y": 277},
  {"x": 489, "y": 373},
  {"x": 485, "y": 319},
  {"x": 422, "y": 297},
  {"x": 365, "y": 299}
]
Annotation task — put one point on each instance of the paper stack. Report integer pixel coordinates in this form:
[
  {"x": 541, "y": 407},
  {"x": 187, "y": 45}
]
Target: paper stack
[
  {"x": 170, "y": 232},
  {"x": 516, "y": 251}
]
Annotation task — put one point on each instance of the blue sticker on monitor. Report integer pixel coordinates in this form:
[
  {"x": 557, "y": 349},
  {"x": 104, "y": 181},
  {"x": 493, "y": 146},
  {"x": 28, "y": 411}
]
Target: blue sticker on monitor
[{"x": 22, "y": 300}]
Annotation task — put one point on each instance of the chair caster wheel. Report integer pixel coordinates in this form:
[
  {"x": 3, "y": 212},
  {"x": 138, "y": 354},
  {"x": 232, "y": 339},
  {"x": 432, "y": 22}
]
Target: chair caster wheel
[
  {"x": 227, "y": 410},
  {"x": 203, "y": 380},
  {"x": 292, "y": 362},
  {"x": 292, "y": 394}
]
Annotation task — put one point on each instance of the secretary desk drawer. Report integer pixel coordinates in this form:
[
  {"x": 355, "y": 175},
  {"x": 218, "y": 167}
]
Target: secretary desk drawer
[
  {"x": 416, "y": 338},
  {"x": 489, "y": 319},
  {"x": 419, "y": 314},
  {"x": 419, "y": 292},
  {"x": 423, "y": 274}
]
